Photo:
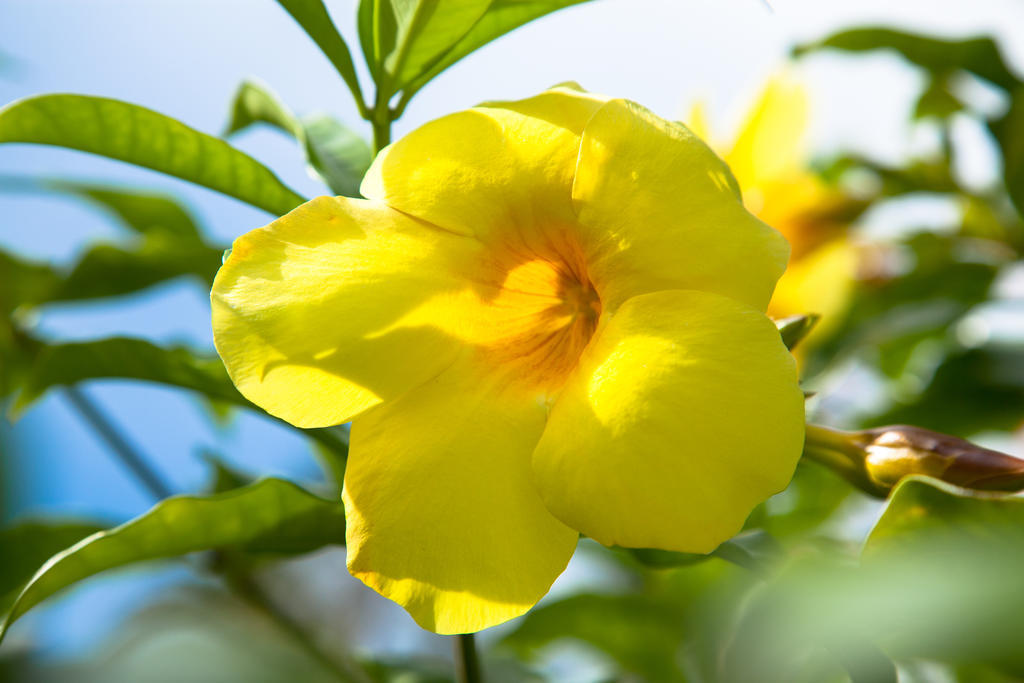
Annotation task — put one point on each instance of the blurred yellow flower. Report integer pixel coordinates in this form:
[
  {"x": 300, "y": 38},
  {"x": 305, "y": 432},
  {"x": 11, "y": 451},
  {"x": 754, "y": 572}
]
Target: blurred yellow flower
[
  {"x": 768, "y": 158},
  {"x": 546, "y": 319}
]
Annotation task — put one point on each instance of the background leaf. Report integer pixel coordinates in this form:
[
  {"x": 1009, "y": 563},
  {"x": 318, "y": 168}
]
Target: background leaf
[
  {"x": 979, "y": 55},
  {"x": 271, "y": 516},
  {"x": 143, "y": 137},
  {"x": 25, "y": 546},
  {"x": 336, "y": 154}
]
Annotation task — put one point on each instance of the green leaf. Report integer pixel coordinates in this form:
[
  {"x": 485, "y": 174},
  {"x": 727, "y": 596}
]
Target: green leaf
[
  {"x": 25, "y": 282},
  {"x": 922, "y": 509},
  {"x": 338, "y": 155},
  {"x": 796, "y": 327},
  {"x": 426, "y": 30},
  {"x": 56, "y": 365},
  {"x": 1009, "y": 133},
  {"x": 269, "y": 517},
  {"x": 143, "y": 137},
  {"x": 27, "y": 545},
  {"x": 503, "y": 16},
  {"x": 980, "y": 55},
  {"x": 642, "y": 633},
  {"x": 312, "y": 16},
  {"x": 126, "y": 358}
]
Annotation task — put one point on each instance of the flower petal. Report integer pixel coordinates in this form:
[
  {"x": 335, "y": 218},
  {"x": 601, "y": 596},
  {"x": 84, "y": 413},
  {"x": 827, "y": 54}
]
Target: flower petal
[
  {"x": 442, "y": 515},
  {"x": 308, "y": 311},
  {"x": 658, "y": 210},
  {"x": 494, "y": 169},
  {"x": 771, "y": 143},
  {"x": 683, "y": 414}
]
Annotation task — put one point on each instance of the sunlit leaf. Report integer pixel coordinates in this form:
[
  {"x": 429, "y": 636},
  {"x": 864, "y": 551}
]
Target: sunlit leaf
[
  {"x": 336, "y": 154},
  {"x": 503, "y": 16},
  {"x": 409, "y": 42},
  {"x": 25, "y": 546},
  {"x": 271, "y": 516},
  {"x": 143, "y": 137}
]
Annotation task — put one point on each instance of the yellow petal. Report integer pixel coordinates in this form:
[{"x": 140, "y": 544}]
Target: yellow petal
[
  {"x": 442, "y": 515},
  {"x": 770, "y": 144},
  {"x": 684, "y": 413},
  {"x": 658, "y": 210},
  {"x": 307, "y": 311},
  {"x": 499, "y": 168}
]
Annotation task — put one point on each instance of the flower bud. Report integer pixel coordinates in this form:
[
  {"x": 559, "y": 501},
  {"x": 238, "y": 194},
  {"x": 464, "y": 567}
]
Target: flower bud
[{"x": 898, "y": 451}]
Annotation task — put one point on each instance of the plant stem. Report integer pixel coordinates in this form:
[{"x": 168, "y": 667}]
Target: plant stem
[
  {"x": 245, "y": 586},
  {"x": 381, "y": 131},
  {"x": 467, "y": 663},
  {"x": 840, "y": 452},
  {"x": 126, "y": 454}
]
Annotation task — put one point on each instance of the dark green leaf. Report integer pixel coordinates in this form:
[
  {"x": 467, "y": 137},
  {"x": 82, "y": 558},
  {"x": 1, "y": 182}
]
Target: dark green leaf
[
  {"x": 501, "y": 17},
  {"x": 796, "y": 327},
  {"x": 120, "y": 357},
  {"x": 312, "y": 16},
  {"x": 642, "y": 633},
  {"x": 271, "y": 516},
  {"x": 25, "y": 283},
  {"x": 140, "y": 136},
  {"x": 338, "y": 155},
  {"x": 971, "y": 391},
  {"x": 55, "y": 365},
  {"x": 25, "y": 546},
  {"x": 1009, "y": 133},
  {"x": 979, "y": 55}
]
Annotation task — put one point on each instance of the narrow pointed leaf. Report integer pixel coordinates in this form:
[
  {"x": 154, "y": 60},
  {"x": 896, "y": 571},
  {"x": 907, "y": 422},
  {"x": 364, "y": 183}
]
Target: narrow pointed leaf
[
  {"x": 314, "y": 19},
  {"x": 271, "y": 516},
  {"x": 126, "y": 358},
  {"x": 425, "y": 31},
  {"x": 67, "y": 364},
  {"x": 140, "y": 136}
]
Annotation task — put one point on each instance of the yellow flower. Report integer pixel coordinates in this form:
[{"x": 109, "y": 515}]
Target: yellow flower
[
  {"x": 546, "y": 319},
  {"x": 769, "y": 160}
]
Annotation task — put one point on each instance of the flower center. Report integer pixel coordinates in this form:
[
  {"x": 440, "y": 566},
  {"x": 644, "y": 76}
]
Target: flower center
[{"x": 542, "y": 315}]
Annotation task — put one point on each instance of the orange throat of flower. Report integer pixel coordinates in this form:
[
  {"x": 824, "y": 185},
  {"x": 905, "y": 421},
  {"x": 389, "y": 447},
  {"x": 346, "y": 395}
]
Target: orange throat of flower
[{"x": 541, "y": 314}]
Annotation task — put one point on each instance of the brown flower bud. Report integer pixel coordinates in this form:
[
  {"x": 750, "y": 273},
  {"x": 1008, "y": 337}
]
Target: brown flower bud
[{"x": 898, "y": 451}]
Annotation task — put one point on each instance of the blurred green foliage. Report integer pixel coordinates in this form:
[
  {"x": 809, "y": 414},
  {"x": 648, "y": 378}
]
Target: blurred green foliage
[{"x": 791, "y": 599}]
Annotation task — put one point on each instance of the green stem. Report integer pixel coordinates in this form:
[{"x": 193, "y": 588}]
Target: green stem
[
  {"x": 467, "y": 662},
  {"x": 381, "y": 130},
  {"x": 126, "y": 454},
  {"x": 840, "y": 452}
]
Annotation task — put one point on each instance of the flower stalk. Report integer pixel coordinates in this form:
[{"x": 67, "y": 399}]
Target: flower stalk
[
  {"x": 467, "y": 661},
  {"x": 875, "y": 460}
]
